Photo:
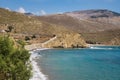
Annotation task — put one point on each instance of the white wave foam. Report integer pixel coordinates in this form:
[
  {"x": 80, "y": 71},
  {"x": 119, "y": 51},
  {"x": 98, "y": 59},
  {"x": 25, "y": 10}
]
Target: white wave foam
[
  {"x": 42, "y": 49},
  {"x": 100, "y": 48},
  {"x": 37, "y": 74}
]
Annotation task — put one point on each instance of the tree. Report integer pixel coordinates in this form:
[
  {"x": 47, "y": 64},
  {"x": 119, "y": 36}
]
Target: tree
[
  {"x": 33, "y": 36},
  {"x": 10, "y": 28},
  {"x": 14, "y": 61},
  {"x": 27, "y": 38}
]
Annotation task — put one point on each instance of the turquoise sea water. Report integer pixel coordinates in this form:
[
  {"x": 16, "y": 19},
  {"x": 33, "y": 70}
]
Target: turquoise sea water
[{"x": 95, "y": 63}]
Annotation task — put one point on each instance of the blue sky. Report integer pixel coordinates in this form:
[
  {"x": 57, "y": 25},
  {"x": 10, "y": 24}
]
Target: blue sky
[{"x": 58, "y": 6}]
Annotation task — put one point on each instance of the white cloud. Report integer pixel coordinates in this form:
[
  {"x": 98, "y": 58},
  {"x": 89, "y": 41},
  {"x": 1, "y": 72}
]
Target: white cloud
[
  {"x": 42, "y": 12},
  {"x": 21, "y": 10},
  {"x": 7, "y": 8}
]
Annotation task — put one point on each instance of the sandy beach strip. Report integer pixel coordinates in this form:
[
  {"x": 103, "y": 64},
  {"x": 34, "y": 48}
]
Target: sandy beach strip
[{"x": 37, "y": 74}]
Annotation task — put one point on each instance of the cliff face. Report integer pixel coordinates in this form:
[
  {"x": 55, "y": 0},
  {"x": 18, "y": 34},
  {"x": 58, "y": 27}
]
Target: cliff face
[{"x": 67, "y": 40}]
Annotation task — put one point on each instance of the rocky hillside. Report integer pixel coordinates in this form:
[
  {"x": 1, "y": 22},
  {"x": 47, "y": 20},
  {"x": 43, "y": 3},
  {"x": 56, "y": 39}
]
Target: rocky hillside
[
  {"x": 67, "y": 40},
  {"x": 110, "y": 37},
  {"x": 85, "y": 14},
  {"x": 86, "y": 23},
  {"x": 89, "y": 23},
  {"x": 26, "y": 24},
  {"x": 29, "y": 28}
]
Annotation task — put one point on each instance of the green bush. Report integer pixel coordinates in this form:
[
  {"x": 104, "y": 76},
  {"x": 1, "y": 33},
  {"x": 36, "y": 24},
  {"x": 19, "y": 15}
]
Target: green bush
[
  {"x": 14, "y": 61},
  {"x": 10, "y": 28},
  {"x": 27, "y": 38}
]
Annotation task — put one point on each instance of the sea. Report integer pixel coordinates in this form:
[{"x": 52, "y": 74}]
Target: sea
[{"x": 94, "y": 63}]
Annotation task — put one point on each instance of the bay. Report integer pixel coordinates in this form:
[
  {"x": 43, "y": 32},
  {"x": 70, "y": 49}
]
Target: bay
[{"x": 94, "y": 63}]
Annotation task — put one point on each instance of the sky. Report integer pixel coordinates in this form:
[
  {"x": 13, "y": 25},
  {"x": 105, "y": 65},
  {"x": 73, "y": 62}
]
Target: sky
[{"x": 44, "y": 7}]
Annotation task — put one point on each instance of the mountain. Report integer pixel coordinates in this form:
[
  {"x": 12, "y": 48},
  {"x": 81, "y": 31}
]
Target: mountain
[
  {"x": 89, "y": 23},
  {"x": 28, "y": 28},
  {"x": 29, "y": 14},
  {"x": 99, "y": 29},
  {"x": 77, "y": 23},
  {"x": 99, "y": 13}
]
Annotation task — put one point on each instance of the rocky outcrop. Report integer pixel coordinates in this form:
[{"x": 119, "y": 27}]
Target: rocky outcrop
[
  {"x": 115, "y": 41},
  {"x": 67, "y": 40},
  {"x": 63, "y": 40}
]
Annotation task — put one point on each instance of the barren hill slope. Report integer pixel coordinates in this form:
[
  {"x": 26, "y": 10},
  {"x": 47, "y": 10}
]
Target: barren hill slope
[
  {"x": 31, "y": 28},
  {"x": 93, "y": 13},
  {"x": 77, "y": 22},
  {"x": 27, "y": 24},
  {"x": 88, "y": 22}
]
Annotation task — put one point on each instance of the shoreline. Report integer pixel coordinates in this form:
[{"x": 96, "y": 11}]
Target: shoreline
[
  {"x": 36, "y": 71},
  {"x": 100, "y": 45}
]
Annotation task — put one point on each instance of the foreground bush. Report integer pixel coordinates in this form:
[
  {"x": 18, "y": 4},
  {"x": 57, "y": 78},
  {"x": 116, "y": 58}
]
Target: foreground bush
[{"x": 14, "y": 61}]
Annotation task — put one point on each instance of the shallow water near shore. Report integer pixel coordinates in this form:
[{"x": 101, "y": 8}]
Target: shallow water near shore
[{"x": 95, "y": 63}]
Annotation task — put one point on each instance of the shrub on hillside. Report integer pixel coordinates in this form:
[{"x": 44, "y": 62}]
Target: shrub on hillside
[
  {"x": 10, "y": 28},
  {"x": 14, "y": 61},
  {"x": 27, "y": 38}
]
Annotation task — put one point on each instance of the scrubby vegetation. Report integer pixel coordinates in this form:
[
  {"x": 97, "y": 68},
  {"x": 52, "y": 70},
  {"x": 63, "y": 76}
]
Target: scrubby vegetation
[{"x": 14, "y": 60}]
